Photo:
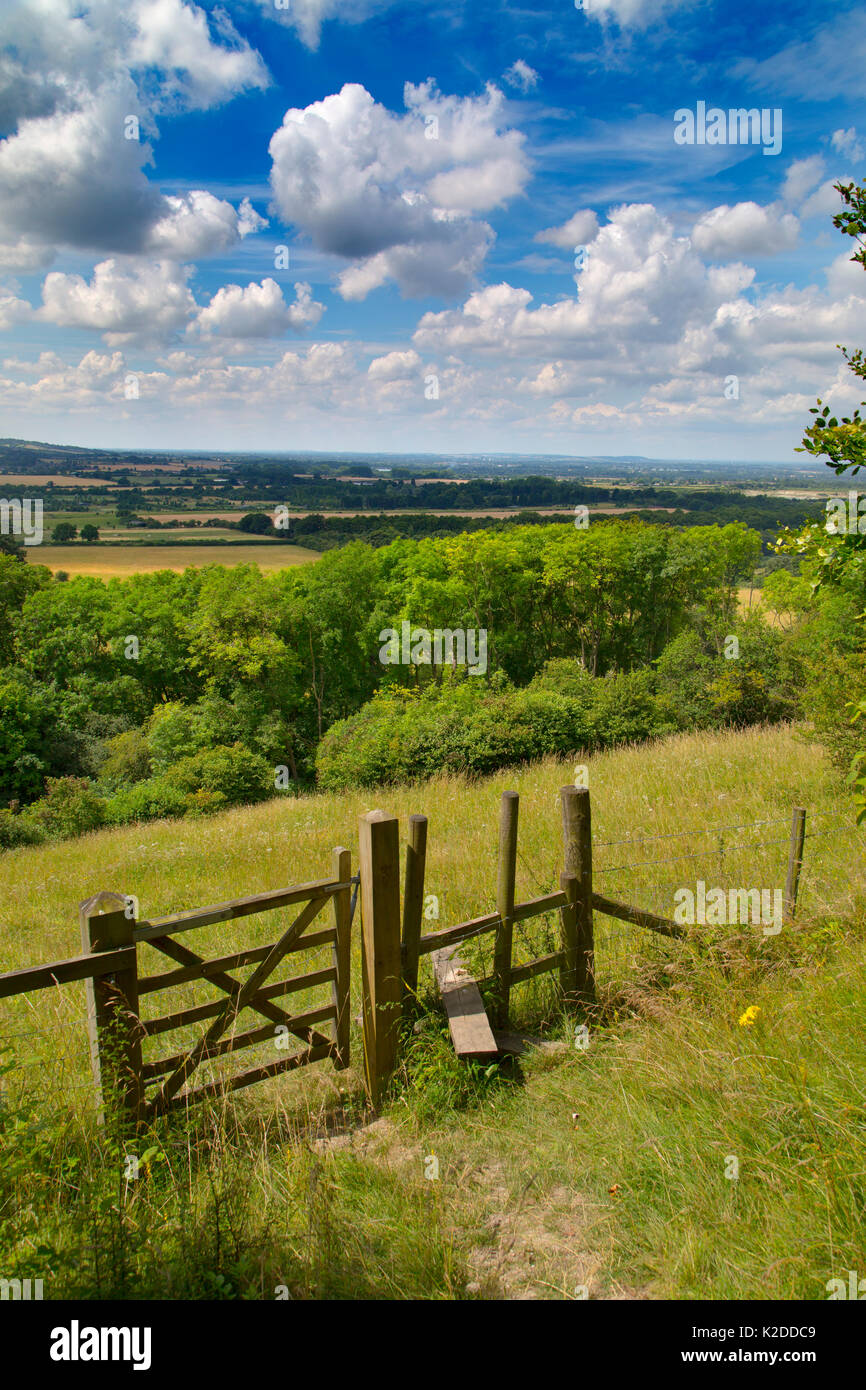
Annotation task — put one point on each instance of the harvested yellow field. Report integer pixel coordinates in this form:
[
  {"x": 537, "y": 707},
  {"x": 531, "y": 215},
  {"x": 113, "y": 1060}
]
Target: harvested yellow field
[
  {"x": 118, "y": 561},
  {"x": 31, "y": 480},
  {"x": 752, "y": 599}
]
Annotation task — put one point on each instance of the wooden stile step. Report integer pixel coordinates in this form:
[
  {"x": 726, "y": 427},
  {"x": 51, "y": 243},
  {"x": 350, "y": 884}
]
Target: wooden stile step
[{"x": 467, "y": 1019}]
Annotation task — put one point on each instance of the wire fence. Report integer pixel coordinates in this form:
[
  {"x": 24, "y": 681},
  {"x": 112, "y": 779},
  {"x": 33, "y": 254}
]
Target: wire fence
[
  {"x": 731, "y": 863},
  {"x": 618, "y": 945}
]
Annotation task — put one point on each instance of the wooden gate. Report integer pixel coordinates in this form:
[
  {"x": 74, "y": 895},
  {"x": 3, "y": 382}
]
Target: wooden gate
[{"x": 118, "y": 1031}]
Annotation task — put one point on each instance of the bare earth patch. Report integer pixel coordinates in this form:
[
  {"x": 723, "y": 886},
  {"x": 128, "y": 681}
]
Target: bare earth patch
[
  {"x": 540, "y": 1247},
  {"x": 537, "y": 1246}
]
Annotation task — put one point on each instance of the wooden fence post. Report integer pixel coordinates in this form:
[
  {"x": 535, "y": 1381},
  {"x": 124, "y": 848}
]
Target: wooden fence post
[
  {"x": 508, "y": 812},
  {"x": 795, "y": 861},
  {"x": 112, "y": 1008},
  {"x": 568, "y": 938},
  {"x": 413, "y": 907},
  {"x": 381, "y": 966},
  {"x": 341, "y": 954},
  {"x": 577, "y": 833}
]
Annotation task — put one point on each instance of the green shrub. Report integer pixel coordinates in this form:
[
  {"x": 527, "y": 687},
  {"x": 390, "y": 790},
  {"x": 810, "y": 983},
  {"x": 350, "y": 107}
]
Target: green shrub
[
  {"x": 513, "y": 728},
  {"x": 128, "y": 760},
  {"x": 565, "y": 676},
  {"x": 149, "y": 800},
  {"x": 233, "y": 773},
  {"x": 17, "y": 830},
  {"x": 71, "y": 806},
  {"x": 208, "y": 781},
  {"x": 625, "y": 708},
  {"x": 404, "y": 735}
]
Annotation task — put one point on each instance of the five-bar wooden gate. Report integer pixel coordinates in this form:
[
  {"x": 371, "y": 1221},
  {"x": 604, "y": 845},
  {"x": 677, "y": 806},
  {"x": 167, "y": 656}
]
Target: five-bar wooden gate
[{"x": 117, "y": 1029}]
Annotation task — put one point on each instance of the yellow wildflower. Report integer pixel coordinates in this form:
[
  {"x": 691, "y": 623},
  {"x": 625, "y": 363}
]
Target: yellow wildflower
[{"x": 750, "y": 1016}]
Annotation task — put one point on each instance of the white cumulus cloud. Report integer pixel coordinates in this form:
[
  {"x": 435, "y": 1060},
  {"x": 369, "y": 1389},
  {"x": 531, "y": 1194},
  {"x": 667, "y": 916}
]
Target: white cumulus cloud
[
  {"x": 174, "y": 37},
  {"x": 198, "y": 224},
  {"x": 147, "y": 303},
  {"x": 746, "y": 229},
  {"x": 577, "y": 231},
  {"x": 396, "y": 194},
  {"x": 75, "y": 77},
  {"x": 258, "y": 311},
  {"x": 394, "y": 365}
]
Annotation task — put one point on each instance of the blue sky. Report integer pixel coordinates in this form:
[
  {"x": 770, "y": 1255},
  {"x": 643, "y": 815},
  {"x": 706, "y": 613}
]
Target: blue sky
[{"x": 429, "y": 170}]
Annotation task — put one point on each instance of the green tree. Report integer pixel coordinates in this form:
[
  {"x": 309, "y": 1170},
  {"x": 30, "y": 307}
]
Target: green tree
[
  {"x": 90, "y": 533},
  {"x": 16, "y": 582},
  {"x": 37, "y": 742},
  {"x": 64, "y": 531},
  {"x": 838, "y": 559},
  {"x": 257, "y": 523},
  {"x": 843, "y": 442},
  {"x": 10, "y": 546}
]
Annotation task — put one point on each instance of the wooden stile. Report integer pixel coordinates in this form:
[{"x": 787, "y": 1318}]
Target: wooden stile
[
  {"x": 477, "y": 926},
  {"x": 520, "y": 973},
  {"x": 508, "y": 812},
  {"x": 389, "y": 959},
  {"x": 463, "y": 931},
  {"x": 381, "y": 964},
  {"x": 413, "y": 907},
  {"x": 467, "y": 1019}
]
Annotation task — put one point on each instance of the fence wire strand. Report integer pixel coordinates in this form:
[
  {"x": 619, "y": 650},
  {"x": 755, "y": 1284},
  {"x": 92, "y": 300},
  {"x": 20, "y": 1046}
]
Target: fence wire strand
[
  {"x": 699, "y": 854},
  {"x": 680, "y": 834}
]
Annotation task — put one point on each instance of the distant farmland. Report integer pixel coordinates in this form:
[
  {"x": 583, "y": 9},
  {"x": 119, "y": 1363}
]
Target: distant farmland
[{"x": 117, "y": 561}]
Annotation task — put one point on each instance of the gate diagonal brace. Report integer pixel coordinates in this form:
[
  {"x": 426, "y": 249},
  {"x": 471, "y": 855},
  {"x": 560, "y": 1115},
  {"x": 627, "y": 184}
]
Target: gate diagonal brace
[
  {"x": 240, "y": 997},
  {"x": 184, "y": 956}
]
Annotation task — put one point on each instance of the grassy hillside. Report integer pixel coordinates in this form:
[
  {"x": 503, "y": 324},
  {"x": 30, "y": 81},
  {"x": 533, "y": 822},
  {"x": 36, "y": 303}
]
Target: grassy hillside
[{"x": 602, "y": 1169}]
